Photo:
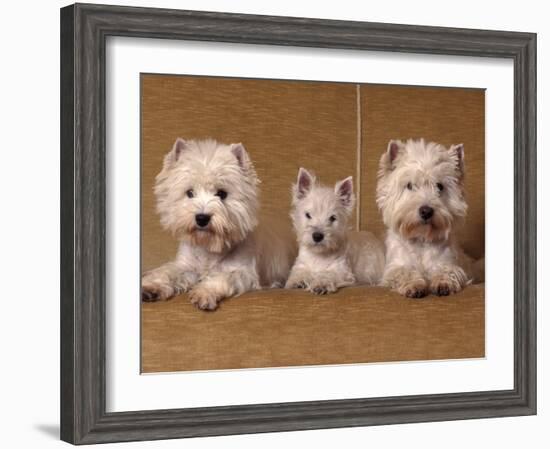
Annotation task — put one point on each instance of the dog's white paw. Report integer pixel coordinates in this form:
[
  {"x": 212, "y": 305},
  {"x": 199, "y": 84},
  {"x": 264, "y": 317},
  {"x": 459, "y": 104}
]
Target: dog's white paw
[
  {"x": 323, "y": 288},
  {"x": 156, "y": 291},
  {"x": 297, "y": 284},
  {"x": 444, "y": 286},
  {"x": 203, "y": 298},
  {"x": 417, "y": 288}
]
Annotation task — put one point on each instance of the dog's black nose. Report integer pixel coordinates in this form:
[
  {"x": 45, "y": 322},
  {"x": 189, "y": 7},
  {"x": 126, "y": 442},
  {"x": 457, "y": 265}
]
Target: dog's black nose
[
  {"x": 426, "y": 212},
  {"x": 318, "y": 236},
  {"x": 202, "y": 219}
]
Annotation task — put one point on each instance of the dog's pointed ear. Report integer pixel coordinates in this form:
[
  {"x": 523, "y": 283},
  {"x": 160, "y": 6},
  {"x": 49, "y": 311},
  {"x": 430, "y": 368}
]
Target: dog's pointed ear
[
  {"x": 344, "y": 191},
  {"x": 239, "y": 151},
  {"x": 304, "y": 183},
  {"x": 245, "y": 163},
  {"x": 180, "y": 146},
  {"x": 395, "y": 147},
  {"x": 457, "y": 152}
]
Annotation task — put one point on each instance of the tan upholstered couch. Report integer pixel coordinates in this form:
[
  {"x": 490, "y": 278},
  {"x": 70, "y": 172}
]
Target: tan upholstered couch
[{"x": 337, "y": 130}]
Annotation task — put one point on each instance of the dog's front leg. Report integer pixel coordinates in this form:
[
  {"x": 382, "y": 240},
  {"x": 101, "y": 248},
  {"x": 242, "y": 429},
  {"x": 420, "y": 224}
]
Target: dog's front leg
[
  {"x": 166, "y": 281},
  {"x": 447, "y": 279},
  {"x": 217, "y": 286},
  {"x": 406, "y": 281}
]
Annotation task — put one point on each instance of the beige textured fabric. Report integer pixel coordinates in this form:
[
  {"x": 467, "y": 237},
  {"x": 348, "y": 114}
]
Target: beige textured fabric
[
  {"x": 285, "y": 125},
  {"x": 282, "y": 328}
]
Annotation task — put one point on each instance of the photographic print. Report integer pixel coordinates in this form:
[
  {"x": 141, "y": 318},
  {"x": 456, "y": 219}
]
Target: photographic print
[
  {"x": 301, "y": 223},
  {"x": 239, "y": 206}
]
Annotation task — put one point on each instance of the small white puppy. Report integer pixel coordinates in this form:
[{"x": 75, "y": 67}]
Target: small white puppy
[
  {"x": 330, "y": 255},
  {"x": 420, "y": 193}
]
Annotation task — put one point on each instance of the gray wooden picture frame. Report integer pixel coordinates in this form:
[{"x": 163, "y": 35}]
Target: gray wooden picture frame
[{"x": 84, "y": 29}]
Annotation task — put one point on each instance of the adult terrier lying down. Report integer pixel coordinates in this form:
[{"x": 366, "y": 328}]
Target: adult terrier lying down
[
  {"x": 207, "y": 196},
  {"x": 420, "y": 193}
]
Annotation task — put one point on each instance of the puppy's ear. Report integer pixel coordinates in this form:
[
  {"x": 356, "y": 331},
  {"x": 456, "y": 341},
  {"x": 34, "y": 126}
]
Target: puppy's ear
[
  {"x": 395, "y": 147},
  {"x": 241, "y": 154},
  {"x": 303, "y": 184},
  {"x": 344, "y": 191},
  {"x": 457, "y": 153}
]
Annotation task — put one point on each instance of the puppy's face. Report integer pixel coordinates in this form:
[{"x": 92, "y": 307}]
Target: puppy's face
[
  {"x": 320, "y": 214},
  {"x": 207, "y": 193},
  {"x": 420, "y": 189}
]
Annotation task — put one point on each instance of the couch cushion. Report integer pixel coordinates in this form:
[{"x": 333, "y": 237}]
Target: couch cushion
[{"x": 275, "y": 328}]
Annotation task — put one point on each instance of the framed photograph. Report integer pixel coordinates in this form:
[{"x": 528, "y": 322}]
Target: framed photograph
[{"x": 274, "y": 223}]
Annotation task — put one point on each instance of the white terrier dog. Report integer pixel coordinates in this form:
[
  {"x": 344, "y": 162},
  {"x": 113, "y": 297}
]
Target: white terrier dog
[
  {"x": 207, "y": 196},
  {"x": 420, "y": 194},
  {"x": 330, "y": 256}
]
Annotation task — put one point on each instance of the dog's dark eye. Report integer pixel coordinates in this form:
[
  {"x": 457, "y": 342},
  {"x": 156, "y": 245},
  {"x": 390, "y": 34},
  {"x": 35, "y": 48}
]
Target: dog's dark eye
[
  {"x": 222, "y": 194},
  {"x": 332, "y": 218},
  {"x": 308, "y": 216},
  {"x": 409, "y": 186},
  {"x": 190, "y": 193},
  {"x": 440, "y": 186}
]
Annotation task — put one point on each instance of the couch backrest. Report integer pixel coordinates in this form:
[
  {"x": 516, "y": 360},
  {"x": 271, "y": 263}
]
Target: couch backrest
[{"x": 329, "y": 128}]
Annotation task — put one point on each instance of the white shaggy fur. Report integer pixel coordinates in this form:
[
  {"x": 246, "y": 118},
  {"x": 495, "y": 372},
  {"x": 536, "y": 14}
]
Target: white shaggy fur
[
  {"x": 214, "y": 184},
  {"x": 420, "y": 194},
  {"x": 330, "y": 256}
]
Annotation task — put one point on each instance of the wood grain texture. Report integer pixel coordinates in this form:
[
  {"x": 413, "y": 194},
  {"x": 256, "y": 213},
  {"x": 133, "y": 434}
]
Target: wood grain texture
[
  {"x": 84, "y": 419},
  {"x": 67, "y": 195}
]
